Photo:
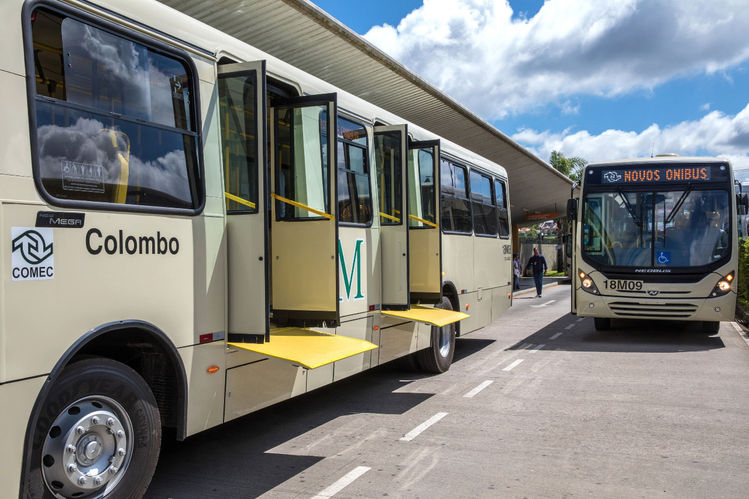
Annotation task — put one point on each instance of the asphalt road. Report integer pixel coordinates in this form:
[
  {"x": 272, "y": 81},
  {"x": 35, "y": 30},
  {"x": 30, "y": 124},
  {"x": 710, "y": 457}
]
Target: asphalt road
[{"x": 539, "y": 404}]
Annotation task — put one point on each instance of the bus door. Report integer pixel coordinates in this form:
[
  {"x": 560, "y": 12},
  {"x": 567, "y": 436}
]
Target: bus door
[
  {"x": 241, "y": 89},
  {"x": 304, "y": 233},
  {"x": 391, "y": 160},
  {"x": 424, "y": 237}
]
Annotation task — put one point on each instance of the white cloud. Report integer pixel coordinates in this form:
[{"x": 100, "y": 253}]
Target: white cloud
[
  {"x": 476, "y": 52},
  {"x": 715, "y": 134}
]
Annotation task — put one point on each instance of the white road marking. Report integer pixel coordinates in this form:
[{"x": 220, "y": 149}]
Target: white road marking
[
  {"x": 539, "y": 347},
  {"x": 741, "y": 332},
  {"x": 569, "y": 327},
  {"x": 580, "y": 319},
  {"x": 543, "y": 304},
  {"x": 423, "y": 426},
  {"x": 524, "y": 346},
  {"x": 343, "y": 482},
  {"x": 483, "y": 385},
  {"x": 556, "y": 336},
  {"x": 513, "y": 365}
]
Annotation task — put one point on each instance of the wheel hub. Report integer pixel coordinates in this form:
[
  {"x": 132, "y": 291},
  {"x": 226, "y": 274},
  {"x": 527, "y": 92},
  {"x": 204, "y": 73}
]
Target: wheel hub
[{"x": 87, "y": 448}]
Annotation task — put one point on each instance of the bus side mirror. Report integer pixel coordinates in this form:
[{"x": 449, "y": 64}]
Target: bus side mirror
[
  {"x": 572, "y": 210},
  {"x": 742, "y": 203}
]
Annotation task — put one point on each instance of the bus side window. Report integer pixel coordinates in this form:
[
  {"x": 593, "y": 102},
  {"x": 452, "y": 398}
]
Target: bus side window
[
  {"x": 501, "y": 197},
  {"x": 119, "y": 127},
  {"x": 239, "y": 143},
  {"x": 354, "y": 199},
  {"x": 456, "y": 207},
  {"x": 484, "y": 210}
]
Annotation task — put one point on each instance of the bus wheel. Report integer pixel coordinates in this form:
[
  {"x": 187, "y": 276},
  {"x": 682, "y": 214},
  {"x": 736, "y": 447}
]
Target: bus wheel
[
  {"x": 710, "y": 327},
  {"x": 438, "y": 357},
  {"x": 98, "y": 434},
  {"x": 602, "y": 323}
]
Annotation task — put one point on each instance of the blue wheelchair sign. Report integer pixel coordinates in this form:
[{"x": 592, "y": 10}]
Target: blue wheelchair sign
[{"x": 663, "y": 257}]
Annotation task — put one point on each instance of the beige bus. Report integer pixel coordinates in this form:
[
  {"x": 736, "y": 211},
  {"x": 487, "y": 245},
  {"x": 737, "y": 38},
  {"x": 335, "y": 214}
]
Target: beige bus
[
  {"x": 655, "y": 239},
  {"x": 193, "y": 230}
]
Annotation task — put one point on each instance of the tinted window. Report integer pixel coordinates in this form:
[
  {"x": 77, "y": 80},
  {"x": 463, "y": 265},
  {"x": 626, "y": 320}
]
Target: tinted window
[
  {"x": 354, "y": 200},
  {"x": 485, "y": 219},
  {"x": 456, "y": 208},
  {"x": 119, "y": 128},
  {"x": 388, "y": 161},
  {"x": 501, "y": 203}
]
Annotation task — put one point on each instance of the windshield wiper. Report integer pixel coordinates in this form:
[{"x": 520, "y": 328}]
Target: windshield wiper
[
  {"x": 677, "y": 206},
  {"x": 631, "y": 210}
]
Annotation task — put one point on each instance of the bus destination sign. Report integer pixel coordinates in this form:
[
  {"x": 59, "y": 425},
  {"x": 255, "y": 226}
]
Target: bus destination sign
[{"x": 660, "y": 174}]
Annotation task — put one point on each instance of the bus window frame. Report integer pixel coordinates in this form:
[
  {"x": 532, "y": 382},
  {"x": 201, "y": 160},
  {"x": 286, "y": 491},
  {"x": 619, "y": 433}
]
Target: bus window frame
[
  {"x": 492, "y": 203},
  {"x": 455, "y": 164},
  {"x": 506, "y": 207},
  {"x": 342, "y": 114},
  {"x": 195, "y": 175}
]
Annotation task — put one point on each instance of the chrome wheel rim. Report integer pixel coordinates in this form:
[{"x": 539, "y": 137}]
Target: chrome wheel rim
[
  {"x": 88, "y": 448},
  {"x": 444, "y": 340}
]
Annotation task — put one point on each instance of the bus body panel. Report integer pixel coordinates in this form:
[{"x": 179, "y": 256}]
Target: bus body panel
[
  {"x": 205, "y": 403},
  {"x": 17, "y": 400}
]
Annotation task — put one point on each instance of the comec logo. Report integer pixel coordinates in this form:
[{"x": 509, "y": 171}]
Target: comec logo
[
  {"x": 34, "y": 249},
  {"x": 121, "y": 244},
  {"x": 32, "y": 254}
]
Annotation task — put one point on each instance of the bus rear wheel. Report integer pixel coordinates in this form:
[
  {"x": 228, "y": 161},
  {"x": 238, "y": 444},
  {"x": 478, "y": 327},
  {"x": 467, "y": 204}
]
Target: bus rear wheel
[
  {"x": 602, "y": 323},
  {"x": 98, "y": 434},
  {"x": 438, "y": 357}
]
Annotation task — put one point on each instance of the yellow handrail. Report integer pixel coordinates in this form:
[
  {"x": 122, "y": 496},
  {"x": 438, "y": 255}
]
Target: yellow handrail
[
  {"x": 390, "y": 217},
  {"x": 240, "y": 200},
  {"x": 302, "y": 206},
  {"x": 427, "y": 222}
]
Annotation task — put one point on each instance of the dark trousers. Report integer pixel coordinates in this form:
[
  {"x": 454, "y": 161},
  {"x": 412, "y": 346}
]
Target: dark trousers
[{"x": 538, "y": 278}]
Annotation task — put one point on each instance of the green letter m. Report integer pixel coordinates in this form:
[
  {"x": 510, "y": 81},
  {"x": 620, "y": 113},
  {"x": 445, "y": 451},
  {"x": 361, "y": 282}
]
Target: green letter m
[{"x": 348, "y": 277}]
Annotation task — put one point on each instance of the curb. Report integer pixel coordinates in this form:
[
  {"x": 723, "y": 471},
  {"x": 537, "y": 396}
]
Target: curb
[{"x": 530, "y": 291}]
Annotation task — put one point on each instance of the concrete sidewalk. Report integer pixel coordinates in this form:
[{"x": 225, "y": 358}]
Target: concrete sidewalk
[{"x": 528, "y": 287}]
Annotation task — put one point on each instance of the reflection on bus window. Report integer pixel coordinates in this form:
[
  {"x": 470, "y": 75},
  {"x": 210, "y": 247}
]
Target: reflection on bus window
[
  {"x": 456, "y": 207},
  {"x": 354, "y": 199},
  {"x": 119, "y": 129},
  {"x": 239, "y": 141},
  {"x": 301, "y": 161},
  {"x": 421, "y": 194},
  {"x": 485, "y": 219},
  {"x": 504, "y": 222},
  {"x": 389, "y": 177},
  {"x": 677, "y": 228}
]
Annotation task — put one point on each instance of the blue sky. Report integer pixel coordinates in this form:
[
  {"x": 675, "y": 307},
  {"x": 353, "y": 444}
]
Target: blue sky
[{"x": 600, "y": 79}]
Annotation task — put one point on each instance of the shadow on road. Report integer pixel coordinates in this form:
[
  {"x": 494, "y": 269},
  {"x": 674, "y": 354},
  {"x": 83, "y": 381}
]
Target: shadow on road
[
  {"x": 465, "y": 347},
  {"x": 625, "y": 336},
  {"x": 232, "y": 460}
]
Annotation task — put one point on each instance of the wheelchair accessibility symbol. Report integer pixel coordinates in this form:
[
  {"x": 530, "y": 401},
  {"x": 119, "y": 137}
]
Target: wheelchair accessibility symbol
[{"x": 663, "y": 257}]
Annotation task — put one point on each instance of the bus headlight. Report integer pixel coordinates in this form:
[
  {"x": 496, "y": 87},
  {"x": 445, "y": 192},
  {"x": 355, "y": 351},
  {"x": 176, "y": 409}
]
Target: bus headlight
[
  {"x": 587, "y": 283},
  {"x": 723, "y": 287}
]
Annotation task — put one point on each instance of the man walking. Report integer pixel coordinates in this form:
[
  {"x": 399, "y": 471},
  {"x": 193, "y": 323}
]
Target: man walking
[{"x": 538, "y": 264}]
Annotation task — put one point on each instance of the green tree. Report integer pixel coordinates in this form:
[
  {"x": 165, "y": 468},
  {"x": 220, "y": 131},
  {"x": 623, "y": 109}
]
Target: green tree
[{"x": 571, "y": 167}]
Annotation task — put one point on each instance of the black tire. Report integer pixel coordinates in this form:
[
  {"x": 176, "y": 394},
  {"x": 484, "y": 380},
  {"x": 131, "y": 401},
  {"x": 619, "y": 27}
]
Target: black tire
[
  {"x": 710, "y": 327},
  {"x": 602, "y": 323},
  {"x": 438, "y": 357},
  {"x": 100, "y": 408}
]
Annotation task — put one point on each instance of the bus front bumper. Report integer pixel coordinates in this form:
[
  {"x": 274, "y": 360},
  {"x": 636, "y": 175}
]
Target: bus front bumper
[{"x": 687, "y": 309}]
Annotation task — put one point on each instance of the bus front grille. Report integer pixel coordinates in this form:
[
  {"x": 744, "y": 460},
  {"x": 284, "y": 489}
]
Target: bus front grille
[{"x": 654, "y": 310}]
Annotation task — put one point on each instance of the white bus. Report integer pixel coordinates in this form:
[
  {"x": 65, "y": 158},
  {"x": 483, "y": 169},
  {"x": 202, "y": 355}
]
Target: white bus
[
  {"x": 192, "y": 230},
  {"x": 656, "y": 239}
]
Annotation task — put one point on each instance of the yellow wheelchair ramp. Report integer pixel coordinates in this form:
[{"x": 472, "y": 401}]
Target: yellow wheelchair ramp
[
  {"x": 306, "y": 347},
  {"x": 435, "y": 316}
]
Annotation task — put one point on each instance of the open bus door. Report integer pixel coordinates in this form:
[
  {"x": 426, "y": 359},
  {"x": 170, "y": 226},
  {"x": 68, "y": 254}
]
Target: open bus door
[
  {"x": 391, "y": 160},
  {"x": 304, "y": 233},
  {"x": 241, "y": 90},
  {"x": 424, "y": 235}
]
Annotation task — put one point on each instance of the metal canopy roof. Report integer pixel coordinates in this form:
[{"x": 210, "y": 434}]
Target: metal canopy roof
[{"x": 301, "y": 34}]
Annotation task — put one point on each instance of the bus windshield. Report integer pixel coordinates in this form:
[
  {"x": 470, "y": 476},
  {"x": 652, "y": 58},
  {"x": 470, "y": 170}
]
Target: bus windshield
[{"x": 677, "y": 227}]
